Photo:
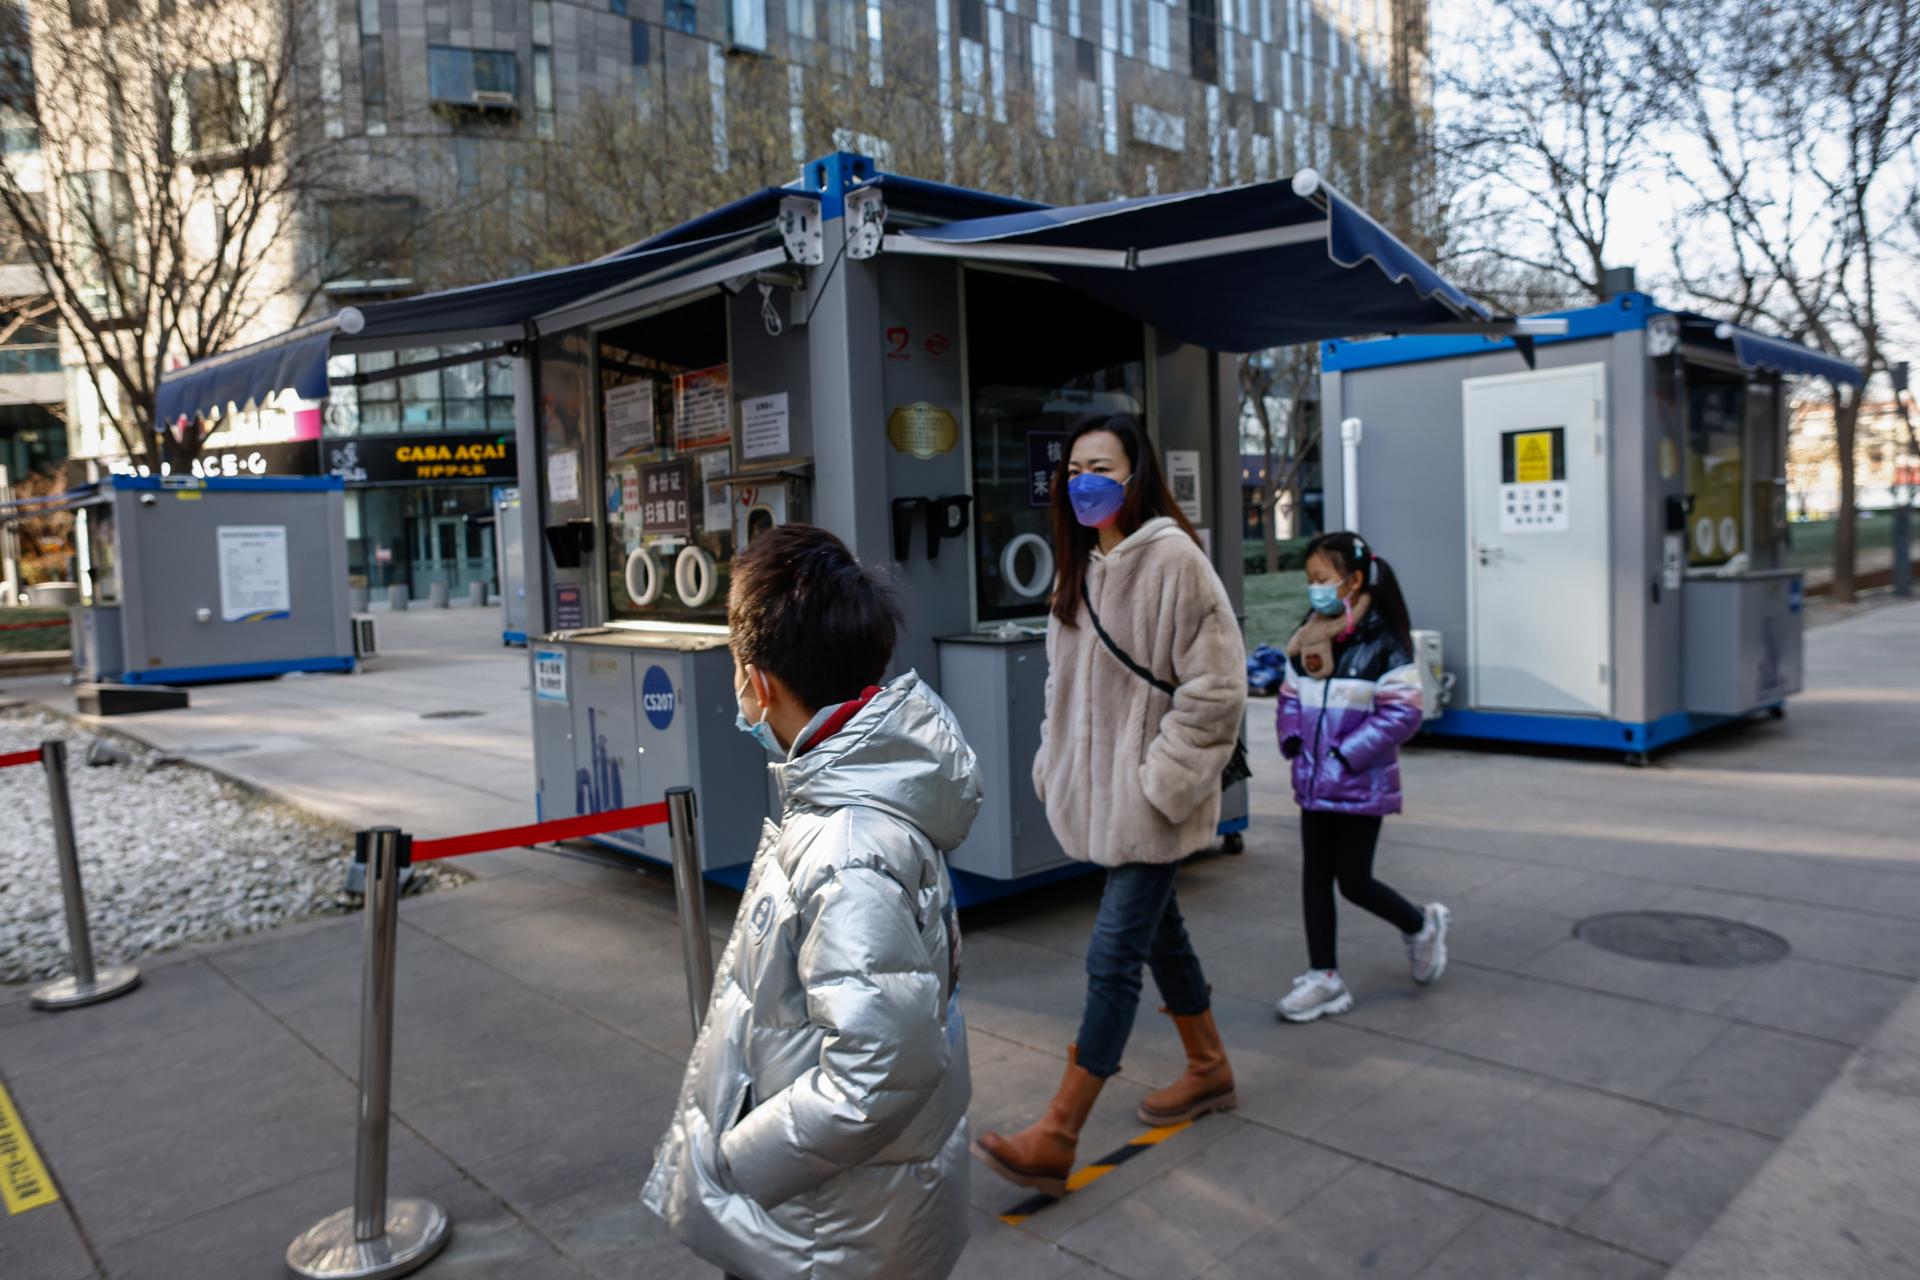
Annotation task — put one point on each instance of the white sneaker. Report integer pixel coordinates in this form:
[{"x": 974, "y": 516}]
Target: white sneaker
[
  {"x": 1317, "y": 993},
  {"x": 1427, "y": 949}
]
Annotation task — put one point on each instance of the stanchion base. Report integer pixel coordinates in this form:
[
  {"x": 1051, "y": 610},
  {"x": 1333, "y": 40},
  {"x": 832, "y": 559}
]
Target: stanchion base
[
  {"x": 71, "y": 993},
  {"x": 416, "y": 1229}
]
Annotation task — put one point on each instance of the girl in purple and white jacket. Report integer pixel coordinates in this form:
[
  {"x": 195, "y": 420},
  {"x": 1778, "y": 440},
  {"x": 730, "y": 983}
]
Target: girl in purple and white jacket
[{"x": 1350, "y": 698}]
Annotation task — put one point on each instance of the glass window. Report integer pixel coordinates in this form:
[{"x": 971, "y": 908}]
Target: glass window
[
  {"x": 471, "y": 77},
  {"x": 368, "y": 240},
  {"x": 1204, "y": 39},
  {"x": 642, "y": 44},
  {"x": 1716, "y": 466},
  {"x": 665, "y": 430},
  {"x": 683, "y": 16},
  {"x": 1039, "y": 357},
  {"x": 218, "y": 109}
]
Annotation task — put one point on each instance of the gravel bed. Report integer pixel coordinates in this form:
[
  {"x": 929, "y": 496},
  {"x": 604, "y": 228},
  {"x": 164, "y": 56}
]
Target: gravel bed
[{"x": 169, "y": 853}]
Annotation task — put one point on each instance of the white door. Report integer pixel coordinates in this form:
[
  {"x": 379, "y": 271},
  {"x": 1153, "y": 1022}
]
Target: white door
[{"x": 1540, "y": 613}]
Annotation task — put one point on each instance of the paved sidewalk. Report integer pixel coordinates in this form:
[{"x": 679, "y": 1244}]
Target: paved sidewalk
[{"x": 1547, "y": 1110}]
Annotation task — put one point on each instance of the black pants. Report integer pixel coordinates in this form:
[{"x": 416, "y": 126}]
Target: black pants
[{"x": 1339, "y": 847}]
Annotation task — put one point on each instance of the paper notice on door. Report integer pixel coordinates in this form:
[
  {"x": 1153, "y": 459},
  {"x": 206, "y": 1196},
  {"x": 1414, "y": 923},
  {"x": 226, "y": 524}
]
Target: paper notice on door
[
  {"x": 563, "y": 476},
  {"x": 763, "y": 427},
  {"x": 1533, "y": 457},
  {"x": 1534, "y": 508},
  {"x": 630, "y": 418},
  {"x": 700, "y": 409},
  {"x": 1183, "y": 478},
  {"x": 254, "y": 583}
]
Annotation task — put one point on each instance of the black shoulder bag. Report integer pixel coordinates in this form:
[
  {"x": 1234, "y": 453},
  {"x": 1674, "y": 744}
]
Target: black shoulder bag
[{"x": 1237, "y": 769}]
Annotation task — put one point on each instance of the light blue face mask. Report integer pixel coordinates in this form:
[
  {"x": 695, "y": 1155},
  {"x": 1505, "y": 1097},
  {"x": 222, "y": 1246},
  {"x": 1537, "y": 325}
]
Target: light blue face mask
[
  {"x": 1324, "y": 598},
  {"x": 761, "y": 732}
]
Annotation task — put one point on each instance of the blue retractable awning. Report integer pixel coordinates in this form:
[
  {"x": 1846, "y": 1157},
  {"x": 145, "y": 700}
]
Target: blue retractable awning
[
  {"x": 1777, "y": 355},
  {"x": 493, "y": 312},
  {"x": 1242, "y": 269}
]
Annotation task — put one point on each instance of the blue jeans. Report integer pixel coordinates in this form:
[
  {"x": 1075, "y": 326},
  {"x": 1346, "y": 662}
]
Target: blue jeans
[{"x": 1139, "y": 924}]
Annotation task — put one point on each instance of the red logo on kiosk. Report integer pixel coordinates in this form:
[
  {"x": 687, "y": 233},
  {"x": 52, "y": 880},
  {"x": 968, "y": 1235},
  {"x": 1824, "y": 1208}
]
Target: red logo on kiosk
[
  {"x": 897, "y": 340},
  {"x": 938, "y": 345}
]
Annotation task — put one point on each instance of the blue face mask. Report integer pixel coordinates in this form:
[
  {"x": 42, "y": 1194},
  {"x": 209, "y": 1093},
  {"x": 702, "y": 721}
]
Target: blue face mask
[
  {"x": 1324, "y": 597},
  {"x": 1096, "y": 499},
  {"x": 761, "y": 732}
]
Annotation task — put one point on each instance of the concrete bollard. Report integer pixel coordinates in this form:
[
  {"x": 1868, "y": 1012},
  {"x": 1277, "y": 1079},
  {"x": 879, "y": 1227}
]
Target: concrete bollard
[
  {"x": 437, "y": 595},
  {"x": 397, "y": 597},
  {"x": 477, "y": 594}
]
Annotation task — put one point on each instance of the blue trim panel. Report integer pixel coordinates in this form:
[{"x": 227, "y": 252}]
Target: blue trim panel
[
  {"x": 1628, "y": 311},
  {"x": 513, "y": 637},
  {"x": 251, "y": 484},
  {"x": 234, "y": 671},
  {"x": 1233, "y": 826},
  {"x": 1578, "y": 731},
  {"x": 971, "y": 889}
]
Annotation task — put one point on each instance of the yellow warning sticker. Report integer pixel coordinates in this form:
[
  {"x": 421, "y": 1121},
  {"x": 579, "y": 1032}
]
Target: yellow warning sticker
[
  {"x": 24, "y": 1183},
  {"x": 1532, "y": 457}
]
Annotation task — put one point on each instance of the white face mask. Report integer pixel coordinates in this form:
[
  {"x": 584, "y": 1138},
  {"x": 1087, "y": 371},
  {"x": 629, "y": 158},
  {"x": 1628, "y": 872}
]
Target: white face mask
[{"x": 760, "y": 731}]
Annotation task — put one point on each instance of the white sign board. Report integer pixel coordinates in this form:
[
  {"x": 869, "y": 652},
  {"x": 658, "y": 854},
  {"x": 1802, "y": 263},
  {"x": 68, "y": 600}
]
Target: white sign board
[
  {"x": 763, "y": 426},
  {"x": 254, "y": 583},
  {"x": 550, "y": 675},
  {"x": 630, "y": 418},
  {"x": 1673, "y": 561},
  {"x": 716, "y": 513},
  {"x": 1183, "y": 477},
  {"x": 563, "y": 476},
  {"x": 1534, "y": 508}
]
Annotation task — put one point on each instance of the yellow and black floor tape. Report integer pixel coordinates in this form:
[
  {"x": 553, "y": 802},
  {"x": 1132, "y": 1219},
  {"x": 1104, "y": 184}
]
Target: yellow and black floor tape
[
  {"x": 24, "y": 1183},
  {"x": 1093, "y": 1172}
]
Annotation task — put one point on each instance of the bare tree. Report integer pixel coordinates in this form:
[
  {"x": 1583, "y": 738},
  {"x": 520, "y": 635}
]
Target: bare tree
[
  {"x": 178, "y": 145},
  {"x": 1804, "y": 130}
]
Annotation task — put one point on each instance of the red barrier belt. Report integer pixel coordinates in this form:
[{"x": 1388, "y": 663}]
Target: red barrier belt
[
  {"x": 28, "y": 626},
  {"x": 33, "y": 757},
  {"x": 591, "y": 824}
]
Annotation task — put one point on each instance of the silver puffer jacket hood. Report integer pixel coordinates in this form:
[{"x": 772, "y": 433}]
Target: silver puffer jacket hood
[{"x": 821, "y": 1129}]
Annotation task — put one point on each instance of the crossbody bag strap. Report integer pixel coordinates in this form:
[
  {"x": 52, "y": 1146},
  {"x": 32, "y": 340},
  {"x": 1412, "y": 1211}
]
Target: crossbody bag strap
[{"x": 1126, "y": 659}]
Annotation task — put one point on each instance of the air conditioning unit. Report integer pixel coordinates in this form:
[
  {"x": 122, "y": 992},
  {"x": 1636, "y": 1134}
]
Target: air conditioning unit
[
  {"x": 1436, "y": 686},
  {"x": 364, "y": 644},
  {"x": 494, "y": 98}
]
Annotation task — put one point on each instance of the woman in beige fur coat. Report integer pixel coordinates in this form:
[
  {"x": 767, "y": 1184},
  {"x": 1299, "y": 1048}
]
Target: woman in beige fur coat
[{"x": 1129, "y": 773}]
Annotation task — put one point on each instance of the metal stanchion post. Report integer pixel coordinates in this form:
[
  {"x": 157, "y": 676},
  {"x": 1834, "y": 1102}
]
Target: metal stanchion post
[
  {"x": 375, "y": 1236},
  {"x": 696, "y": 948},
  {"x": 85, "y": 986}
]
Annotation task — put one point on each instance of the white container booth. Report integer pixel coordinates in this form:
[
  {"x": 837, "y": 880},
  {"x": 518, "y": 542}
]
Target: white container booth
[
  {"x": 1600, "y": 541},
  {"x": 897, "y": 361}
]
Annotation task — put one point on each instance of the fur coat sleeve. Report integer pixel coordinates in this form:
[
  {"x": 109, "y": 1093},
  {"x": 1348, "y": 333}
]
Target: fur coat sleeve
[{"x": 1195, "y": 737}]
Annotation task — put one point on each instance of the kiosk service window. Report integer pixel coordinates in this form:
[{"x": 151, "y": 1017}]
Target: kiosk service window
[{"x": 1040, "y": 356}]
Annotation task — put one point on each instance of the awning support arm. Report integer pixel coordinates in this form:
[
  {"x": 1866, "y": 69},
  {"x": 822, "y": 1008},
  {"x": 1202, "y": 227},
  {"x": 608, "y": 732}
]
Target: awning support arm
[{"x": 347, "y": 320}]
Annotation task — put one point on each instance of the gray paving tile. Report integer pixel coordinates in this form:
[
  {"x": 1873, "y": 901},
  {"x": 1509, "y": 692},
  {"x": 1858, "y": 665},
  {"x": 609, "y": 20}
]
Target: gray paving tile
[
  {"x": 1843, "y": 937},
  {"x": 1623, "y": 1046},
  {"x": 1664, "y": 1201},
  {"x": 1201, "y": 1211},
  {"x": 1501, "y": 1244},
  {"x": 169, "y": 1000},
  {"x": 495, "y": 899},
  {"x": 1369, "y": 1222},
  {"x": 1818, "y": 1000},
  {"x": 996, "y": 1251},
  {"x": 1433, "y": 1114},
  {"x": 1755, "y": 1078},
  {"x": 43, "y": 1244},
  {"x": 1558, "y": 1150},
  {"x": 1303, "y": 1078},
  {"x": 1697, "y": 987},
  {"x": 603, "y": 1229}
]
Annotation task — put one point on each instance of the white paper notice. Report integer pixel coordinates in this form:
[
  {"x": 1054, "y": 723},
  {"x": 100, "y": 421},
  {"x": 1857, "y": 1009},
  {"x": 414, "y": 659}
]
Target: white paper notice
[
  {"x": 563, "y": 476},
  {"x": 716, "y": 514},
  {"x": 763, "y": 426},
  {"x": 254, "y": 585},
  {"x": 1183, "y": 477},
  {"x": 550, "y": 675},
  {"x": 1534, "y": 508},
  {"x": 630, "y": 419}
]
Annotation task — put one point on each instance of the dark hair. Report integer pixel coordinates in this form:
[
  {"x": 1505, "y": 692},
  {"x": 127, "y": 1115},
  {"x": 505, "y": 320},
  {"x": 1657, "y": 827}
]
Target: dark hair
[
  {"x": 1349, "y": 553},
  {"x": 801, "y": 607},
  {"x": 1147, "y": 499}
]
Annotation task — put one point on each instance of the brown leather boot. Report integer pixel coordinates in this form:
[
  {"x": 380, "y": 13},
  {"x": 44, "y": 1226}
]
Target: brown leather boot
[
  {"x": 1041, "y": 1155},
  {"x": 1207, "y": 1083}
]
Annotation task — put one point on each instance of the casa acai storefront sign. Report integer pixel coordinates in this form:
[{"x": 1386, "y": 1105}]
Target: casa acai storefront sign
[{"x": 483, "y": 457}]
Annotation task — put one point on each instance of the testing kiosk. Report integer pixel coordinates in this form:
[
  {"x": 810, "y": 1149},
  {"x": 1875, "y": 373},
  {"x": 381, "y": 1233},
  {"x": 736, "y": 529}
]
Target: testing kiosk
[
  {"x": 1600, "y": 541},
  {"x": 898, "y": 361},
  {"x": 189, "y": 580}
]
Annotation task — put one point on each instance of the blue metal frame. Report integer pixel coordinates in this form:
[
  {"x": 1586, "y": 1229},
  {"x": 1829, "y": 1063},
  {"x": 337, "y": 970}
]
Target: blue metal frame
[
  {"x": 1617, "y": 315},
  {"x": 1580, "y": 731},
  {"x": 234, "y": 671},
  {"x": 513, "y": 637},
  {"x": 249, "y": 484}
]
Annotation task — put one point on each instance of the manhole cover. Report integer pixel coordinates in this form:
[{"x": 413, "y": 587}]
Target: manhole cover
[
  {"x": 1675, "y": 937},
  {"x": 450, "y": 715}
]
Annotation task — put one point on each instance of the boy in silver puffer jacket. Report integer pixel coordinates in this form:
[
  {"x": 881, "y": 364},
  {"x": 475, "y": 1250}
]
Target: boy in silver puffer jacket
[{"x": 821, "y": 1129}]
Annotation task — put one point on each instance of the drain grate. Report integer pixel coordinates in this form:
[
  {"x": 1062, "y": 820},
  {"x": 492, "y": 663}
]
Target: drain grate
[
  {"x": 1677, "y": 937},
  {"x": 450, "y": 715}
]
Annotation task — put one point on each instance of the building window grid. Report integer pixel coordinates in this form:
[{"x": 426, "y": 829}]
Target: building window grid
[
  {"x": 717, "y": 105},
  {"x": 373, "y": 70},
  {"x": 802, "y": 24},
  {"x": 997, "y": 63},
  {"x": 797, "y": 112},
  {"x": 1045, "y": 107},
  {"x": 543, "y": 114},
  {"x": 876, "y": 50},
  {"x": 1109, "y": 103},
  {"x": 1160, "y": 34}
]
